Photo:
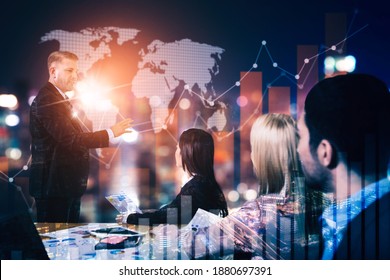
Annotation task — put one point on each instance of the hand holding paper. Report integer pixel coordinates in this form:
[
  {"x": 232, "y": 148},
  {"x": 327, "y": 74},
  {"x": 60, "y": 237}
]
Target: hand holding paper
[{"x": 123, "y": 203}]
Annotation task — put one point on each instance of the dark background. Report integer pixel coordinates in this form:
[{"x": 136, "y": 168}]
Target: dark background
[{"x": 238, "y": 27}]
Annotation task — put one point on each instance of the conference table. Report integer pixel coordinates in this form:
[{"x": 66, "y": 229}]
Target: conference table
[{"x": 106, "y": 241}]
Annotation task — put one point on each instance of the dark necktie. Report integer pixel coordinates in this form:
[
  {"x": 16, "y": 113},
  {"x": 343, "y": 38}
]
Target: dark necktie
[
  {"x": 76, "y": 121},
  {"x": 67, "y": 102}
]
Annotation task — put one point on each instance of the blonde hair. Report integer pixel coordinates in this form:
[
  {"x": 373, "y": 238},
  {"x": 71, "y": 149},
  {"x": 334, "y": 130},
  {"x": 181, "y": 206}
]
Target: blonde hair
[
  {"x": 58, "y": 56},
  {"x": 274, "y": 152}
]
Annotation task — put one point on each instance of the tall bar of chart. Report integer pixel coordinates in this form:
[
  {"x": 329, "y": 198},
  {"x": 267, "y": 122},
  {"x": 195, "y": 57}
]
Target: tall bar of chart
[
  {"x": 335, "y": 30},
  {"x": 250, "y": 103},
  {"x": 308, "y": 74},
  {"x": 3, "y": 170},
  {"x": 224, "y": 159},
  {"x": 279, "y": 100}
]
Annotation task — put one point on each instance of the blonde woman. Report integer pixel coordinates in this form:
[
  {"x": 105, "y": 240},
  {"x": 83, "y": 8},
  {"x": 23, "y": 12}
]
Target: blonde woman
[
  {"x": 273, "y": 141},
  {"x": 273, "y": 225}
]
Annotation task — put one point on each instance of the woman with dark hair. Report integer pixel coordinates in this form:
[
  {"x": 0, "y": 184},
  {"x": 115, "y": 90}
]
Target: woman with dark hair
[
  {"x": 195, "y": 154},
  {"x": 278, "y": 223}
]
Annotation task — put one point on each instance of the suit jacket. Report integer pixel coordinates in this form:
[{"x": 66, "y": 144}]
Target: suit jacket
[
  {"x": 199, "y": 192},
  {"x": 60, "y": 148}
]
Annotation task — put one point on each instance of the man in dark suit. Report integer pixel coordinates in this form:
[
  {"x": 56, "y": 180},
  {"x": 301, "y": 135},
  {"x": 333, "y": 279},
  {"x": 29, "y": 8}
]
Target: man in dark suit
[
  {"x": 60, "y": 148},
  {"x": 344, "y": 148}
]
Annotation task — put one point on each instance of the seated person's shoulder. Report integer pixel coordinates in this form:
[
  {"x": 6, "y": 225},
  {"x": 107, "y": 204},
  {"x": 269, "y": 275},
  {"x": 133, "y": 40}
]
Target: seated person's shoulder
[{"x": 19, "y": 238}]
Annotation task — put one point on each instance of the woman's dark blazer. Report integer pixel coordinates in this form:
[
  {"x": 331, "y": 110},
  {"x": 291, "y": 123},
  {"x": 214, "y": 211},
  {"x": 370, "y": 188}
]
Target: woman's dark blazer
[{"x": 199, "y": 192}]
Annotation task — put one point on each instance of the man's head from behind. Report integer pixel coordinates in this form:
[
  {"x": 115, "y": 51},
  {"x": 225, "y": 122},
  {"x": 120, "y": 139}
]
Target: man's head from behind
[{"x": 346, "y": 122}]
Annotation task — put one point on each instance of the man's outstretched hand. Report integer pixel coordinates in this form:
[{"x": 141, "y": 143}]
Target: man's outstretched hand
[{"x": 121, "y": 127}]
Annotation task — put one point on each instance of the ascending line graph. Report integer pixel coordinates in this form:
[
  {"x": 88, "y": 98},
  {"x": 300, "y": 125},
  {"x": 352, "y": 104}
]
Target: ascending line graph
[{"x": 295, "y": 78}]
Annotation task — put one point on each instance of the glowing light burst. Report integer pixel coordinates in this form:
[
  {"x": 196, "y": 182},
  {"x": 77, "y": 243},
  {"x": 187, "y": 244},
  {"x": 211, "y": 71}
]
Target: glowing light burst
[
  {"x": 91, "y": 92},
  {"x": 130, "y": 137},
  {"x": 95, "y": 100}
]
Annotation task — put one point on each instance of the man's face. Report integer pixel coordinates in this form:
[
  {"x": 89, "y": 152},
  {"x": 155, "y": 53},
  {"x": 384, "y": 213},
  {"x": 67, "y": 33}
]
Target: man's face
[
  {"x": 65, "y": 74},
  {"x": 316, "y": 175}
]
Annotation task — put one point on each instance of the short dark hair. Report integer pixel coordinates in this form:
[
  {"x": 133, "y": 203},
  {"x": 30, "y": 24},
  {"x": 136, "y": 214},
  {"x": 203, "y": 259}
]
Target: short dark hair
[
  {"x": 197, "y": 152},
  {"x": 352, "y": 112}
]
